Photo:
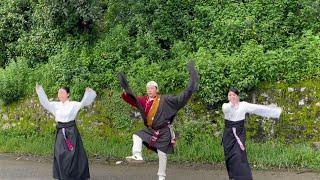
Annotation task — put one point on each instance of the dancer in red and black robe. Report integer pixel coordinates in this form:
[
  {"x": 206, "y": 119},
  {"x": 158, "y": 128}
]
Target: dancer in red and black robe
[{"x": 158, "y": 112}]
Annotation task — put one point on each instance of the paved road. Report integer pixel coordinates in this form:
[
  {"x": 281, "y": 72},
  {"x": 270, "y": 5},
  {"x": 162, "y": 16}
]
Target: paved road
[{"x": 13, "y": 167}]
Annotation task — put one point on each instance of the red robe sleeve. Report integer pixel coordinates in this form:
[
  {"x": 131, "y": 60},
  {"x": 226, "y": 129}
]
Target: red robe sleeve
[{"x": 130, "y": 100}]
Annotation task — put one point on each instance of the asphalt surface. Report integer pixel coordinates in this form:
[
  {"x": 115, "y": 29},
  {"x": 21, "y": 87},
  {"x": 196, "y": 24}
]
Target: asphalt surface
[{"x": 16, "y": 167}]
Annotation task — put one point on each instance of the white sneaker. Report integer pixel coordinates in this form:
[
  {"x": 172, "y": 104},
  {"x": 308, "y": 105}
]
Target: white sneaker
[
  {"x": 134, "y": 159},
  {"x": 162, "y": 177}
]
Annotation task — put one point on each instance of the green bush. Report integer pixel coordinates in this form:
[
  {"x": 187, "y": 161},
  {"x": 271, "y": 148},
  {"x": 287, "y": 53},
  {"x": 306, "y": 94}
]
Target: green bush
[
  {"x": 14, "y": 21},
  {"x": 233, "y": 43},
  {"x": 13, "y": 81},
  {"x": 64, "y": 69},
  {"x": 75, "y": 16}
]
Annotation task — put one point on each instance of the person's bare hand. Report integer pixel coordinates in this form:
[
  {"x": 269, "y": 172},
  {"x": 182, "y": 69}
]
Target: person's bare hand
[
  {"x": 38, "y": 86},
  {"x": 89, "y": 89}
]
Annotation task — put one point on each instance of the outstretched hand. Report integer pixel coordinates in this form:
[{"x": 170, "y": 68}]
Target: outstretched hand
[
  {"x": 174, "y": 142},
  {"x": 38, "y": 86},
  {"x": 89, "y": 89}
]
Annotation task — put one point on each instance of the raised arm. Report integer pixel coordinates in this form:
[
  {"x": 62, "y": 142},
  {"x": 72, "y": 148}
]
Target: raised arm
[
  {"x": 88, "y": 97},
  {"x": 180, "y": 100},
  {"x": 226, "y": 107},
  {"x": 44, "y": 99},
  {"x": 262, "y": 110},
  {"x": 129, "y": 99}
]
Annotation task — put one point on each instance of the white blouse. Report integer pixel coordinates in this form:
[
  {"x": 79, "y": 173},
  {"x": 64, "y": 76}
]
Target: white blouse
[
  {"x": 239, "y": 113},
  {"x": 67, "y": 111}
]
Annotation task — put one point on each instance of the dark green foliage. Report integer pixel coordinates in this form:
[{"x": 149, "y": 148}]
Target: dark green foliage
[
  {"x": 81, "y": 43},
  {"x": 14, "y": 21},
  {"x": 234, "y": 43},
  {"x": 13, "y": 80},
  {"x": 74, "y": 16}
]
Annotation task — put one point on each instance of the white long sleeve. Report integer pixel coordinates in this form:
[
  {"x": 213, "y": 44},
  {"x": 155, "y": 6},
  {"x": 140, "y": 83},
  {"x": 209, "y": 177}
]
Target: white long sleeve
[
  {"x": 44, "y": 100},
  {"x": 65, "y": 111},
  {"x": 226, "y": 108},
  {"x": 88, "y": 98},
  {"x": 264, "y": 111},
  {"x": 239, "y": 113}
]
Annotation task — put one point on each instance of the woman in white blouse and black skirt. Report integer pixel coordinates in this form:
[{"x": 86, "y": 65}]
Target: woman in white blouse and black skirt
[
  {"x": 70, "y": 160},
  {"x": 234, "y": 135}
]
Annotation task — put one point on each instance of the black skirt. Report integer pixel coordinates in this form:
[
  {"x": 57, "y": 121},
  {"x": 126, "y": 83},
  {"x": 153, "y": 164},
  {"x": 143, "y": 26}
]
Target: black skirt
[
  {"x": 236, "y": 159},
  {"x": 163, "y": 143},
  {"x": 70, "y": 160}
]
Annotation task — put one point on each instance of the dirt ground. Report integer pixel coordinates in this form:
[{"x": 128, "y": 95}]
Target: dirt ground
[{"x": 24, "y": 167}]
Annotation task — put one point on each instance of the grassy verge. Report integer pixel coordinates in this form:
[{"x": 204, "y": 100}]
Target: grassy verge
[
  {"x": 205, "y": 149},
  {"x": 107, "y": 128}
]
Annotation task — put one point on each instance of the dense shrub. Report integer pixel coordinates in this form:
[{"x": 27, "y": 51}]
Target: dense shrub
[
  {"x": 14, "y": 21},
  {"x": 13, "y": 81},
  {"x": 234, "y": 43}
]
